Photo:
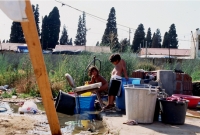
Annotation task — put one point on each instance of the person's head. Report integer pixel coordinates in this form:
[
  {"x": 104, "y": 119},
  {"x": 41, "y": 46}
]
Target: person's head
[
  {"x": 93, "y": 71},
  {"x": 115, "y": 58}
]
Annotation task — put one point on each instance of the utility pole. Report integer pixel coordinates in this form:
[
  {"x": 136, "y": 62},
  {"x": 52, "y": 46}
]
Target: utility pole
[
  {"x": 146, "y": 49},
  {"x": 194, "y": 46},
  {"x": 169, "y": 52},
  {"x": 143, "y": 43},
  {"x": 129, "y": 35}
]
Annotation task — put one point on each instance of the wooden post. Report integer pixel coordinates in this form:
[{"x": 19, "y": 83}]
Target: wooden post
[{"x": 36, "y": 56}]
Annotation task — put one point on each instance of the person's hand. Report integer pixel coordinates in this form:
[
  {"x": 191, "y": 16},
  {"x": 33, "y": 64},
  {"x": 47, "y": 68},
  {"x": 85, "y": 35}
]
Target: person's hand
[
  {"x": 93, "y": 78},
  {"x": 86, "y": 83}
]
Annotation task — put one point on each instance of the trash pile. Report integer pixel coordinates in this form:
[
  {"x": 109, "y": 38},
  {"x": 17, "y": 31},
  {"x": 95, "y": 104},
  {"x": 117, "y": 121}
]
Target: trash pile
[{"x": 28, "y": 107}]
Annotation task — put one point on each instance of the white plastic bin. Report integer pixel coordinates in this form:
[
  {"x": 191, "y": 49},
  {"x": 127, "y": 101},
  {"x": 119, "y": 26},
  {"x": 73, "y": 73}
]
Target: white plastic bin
[{"x": 140, "y": 102}]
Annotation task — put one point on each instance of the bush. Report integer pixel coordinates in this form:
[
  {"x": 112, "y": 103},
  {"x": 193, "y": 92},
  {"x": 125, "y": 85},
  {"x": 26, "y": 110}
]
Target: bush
[
  {"x": 6, "y": 95},
  {"x": 146, "y": 66}
]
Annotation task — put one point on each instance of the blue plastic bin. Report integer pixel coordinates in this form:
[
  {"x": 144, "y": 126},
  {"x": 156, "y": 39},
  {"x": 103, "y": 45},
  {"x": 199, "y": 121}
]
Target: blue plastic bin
[
  {"x": 86, "y": 102},
  {"x": 120, "y": 100}
]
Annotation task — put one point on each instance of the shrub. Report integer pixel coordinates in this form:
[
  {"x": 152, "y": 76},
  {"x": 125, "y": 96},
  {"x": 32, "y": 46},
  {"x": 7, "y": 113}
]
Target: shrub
[{"x": 146, "y": 66}]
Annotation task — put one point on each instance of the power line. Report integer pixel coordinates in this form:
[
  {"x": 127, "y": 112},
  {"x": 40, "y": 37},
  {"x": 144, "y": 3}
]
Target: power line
[
  {"x": 104, "y": 20},
  {"x": 64, "y": 4}
]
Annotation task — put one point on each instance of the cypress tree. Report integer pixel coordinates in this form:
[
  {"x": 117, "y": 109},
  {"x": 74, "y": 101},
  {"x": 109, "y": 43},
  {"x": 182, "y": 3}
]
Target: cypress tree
[
  {"x": 45, "y": 33},
  {"x": 124, "y": 43},
  {"x": 64, "y": 37},
  {"x": 165, "y": 43},
  {"x": 173, "y": 37},
  {"x": 84, "y": 29},
  {"x": 110, "y": 30},
  {"x": 37, "y": 21},
  {"x": 138, "y": 39},
  {"x": 16, "y": 35},
  {"x": 54, "y": 27},
  {"x": 70, "y": 42},
  {"x": 79, "y": 35},
  {"x": 156, "y": 42},
  {"x": 148, "y": 38}
]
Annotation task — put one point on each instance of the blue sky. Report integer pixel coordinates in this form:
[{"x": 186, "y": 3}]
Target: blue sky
[{"x": 153, "y": 14}]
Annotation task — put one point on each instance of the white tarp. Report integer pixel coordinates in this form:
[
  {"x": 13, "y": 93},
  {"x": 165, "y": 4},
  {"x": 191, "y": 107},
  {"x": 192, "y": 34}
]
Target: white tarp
[{"x": 14, "y": 9}]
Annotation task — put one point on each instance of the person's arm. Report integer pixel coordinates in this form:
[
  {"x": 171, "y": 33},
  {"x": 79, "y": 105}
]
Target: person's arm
[
  {"x": 104, "y": 83},
  {"x": 124, "y": 69},
  {"x": 92, "y": 80}
]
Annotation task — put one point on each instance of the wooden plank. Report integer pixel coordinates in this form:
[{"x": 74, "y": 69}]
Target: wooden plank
[{"x": 36, "y": 56}]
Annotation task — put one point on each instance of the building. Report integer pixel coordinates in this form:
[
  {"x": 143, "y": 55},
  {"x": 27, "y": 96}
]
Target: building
[
  {"x": 97, "y": 49},
  {"x": 11, "y": 46},
  {"x": 165, "y": 53}
]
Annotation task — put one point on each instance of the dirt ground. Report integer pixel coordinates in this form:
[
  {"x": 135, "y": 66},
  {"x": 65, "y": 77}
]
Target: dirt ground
[
  {"x": 116, "y": 126},
  {"x": 22, "y": 124},
  {"x": 15, "y": 124},
  {"x": 28, "y": 124}
]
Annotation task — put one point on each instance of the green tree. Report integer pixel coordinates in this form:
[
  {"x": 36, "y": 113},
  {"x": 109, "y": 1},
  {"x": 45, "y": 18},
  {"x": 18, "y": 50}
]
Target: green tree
[
  {"x": 97, "y": 44},
  {"x": 124, "y": 43},
  {"x": 54, "y": 27},
  {"x": 16, "y": 35},
  {"x": 36, "y": 15},
  {"x": 79, "y": 35},
  {"x": 84, "y": 29},
  {"x": 173, "y": 37},
  {"x": 64, "y": 37},
  {"x": 110, "y": 30},
  {"x": 45, "y": 33},
  {"x": 165, "y": 43},
  {"x": 156, "y": 42},
  {"x": 138, "y": 39},
  {"x": 114, "y": 44},
  {"x": 70, "y": 42},
  {"x": 152, "y": 39},
  {"x": 148, "y": 38}
]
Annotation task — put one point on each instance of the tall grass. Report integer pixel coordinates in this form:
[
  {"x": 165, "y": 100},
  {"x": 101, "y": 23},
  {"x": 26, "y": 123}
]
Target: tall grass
[{"x": 16, "y": 69}]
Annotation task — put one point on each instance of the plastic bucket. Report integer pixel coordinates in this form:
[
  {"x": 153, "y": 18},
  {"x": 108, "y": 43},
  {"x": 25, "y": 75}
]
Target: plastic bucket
[
  {"x": 65, "y": 103},
  {"x": 194, "y": 100},
  {"x": 173, "y": 112},
  {"x": 140, "y": 103},
  {"x": 86, "y": 102},
  {"x": 120, "y": 100}
]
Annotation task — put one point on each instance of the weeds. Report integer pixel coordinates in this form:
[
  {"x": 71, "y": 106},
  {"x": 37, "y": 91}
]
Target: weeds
[
  {"x": 6, "y": 95},
  {"x": 146, "y": 66},
  {"x": 17, "y": 72}
]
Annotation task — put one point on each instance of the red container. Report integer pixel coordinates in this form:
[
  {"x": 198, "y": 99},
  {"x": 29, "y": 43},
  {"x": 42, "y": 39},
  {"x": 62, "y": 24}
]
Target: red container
[{"x": 194, "y": 100}]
